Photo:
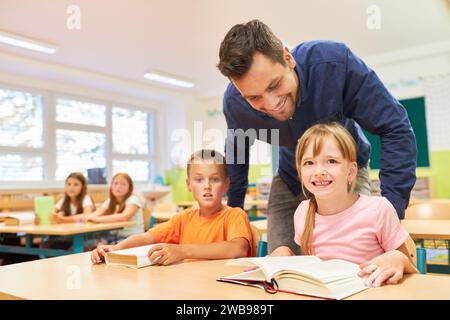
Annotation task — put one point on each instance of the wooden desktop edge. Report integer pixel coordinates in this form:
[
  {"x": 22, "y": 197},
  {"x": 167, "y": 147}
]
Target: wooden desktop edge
[
  {"x": 58, "y": 229},
  {"x": 411, "y": 287}
]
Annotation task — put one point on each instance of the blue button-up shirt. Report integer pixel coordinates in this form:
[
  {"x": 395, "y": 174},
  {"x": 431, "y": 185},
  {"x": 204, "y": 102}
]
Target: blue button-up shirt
[{"x": 335, "y": 86}]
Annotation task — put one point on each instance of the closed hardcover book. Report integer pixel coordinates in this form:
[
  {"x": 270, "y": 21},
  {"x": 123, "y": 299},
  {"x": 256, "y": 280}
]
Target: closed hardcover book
[
  {"x": 304, "y": 275},
  {"x": 16, "y": 219},
  {"x": 133, "y": 257}
]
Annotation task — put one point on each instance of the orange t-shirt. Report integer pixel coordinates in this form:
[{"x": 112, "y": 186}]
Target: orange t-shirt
[{"x": 188, "y": 227}]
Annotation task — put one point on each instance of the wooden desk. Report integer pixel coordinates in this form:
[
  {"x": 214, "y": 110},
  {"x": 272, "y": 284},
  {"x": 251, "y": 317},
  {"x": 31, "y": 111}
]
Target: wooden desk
[
  {"x": 154, "y": 195},
  {"x": 163, "y": 215},
  {"x": 77, "y": 231},
  {"x": 151, "y": 196},
  {"x": 428, "y": 229},
  {"x": 74, "y": 277}
]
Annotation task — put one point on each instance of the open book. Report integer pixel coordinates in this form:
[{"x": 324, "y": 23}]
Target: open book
[
  {"x": 133, "y": 257},
  {"x": 305, "y": 275},
  {"x": 15, "y": 219}
]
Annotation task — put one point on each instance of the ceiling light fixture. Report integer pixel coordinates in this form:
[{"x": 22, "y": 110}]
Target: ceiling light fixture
[
  {"x": 26, "y": 43},
  {"x": 168, "y": 79}
]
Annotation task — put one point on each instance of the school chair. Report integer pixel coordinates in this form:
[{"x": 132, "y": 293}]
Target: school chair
[
  {"x": 418, "y": 255},
  {"x": 259, "y": 247},
  {"x": 146, "y": 216}
]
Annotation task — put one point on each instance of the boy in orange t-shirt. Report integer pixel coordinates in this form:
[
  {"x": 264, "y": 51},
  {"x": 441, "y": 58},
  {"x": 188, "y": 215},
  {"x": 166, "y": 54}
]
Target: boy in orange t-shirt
[{"x": 213, "y": 231}]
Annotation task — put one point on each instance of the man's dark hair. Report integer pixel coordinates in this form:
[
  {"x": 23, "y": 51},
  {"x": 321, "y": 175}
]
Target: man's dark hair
[
  {"x": 242, "y": 42},
  {"x": 208, "y": 155}
]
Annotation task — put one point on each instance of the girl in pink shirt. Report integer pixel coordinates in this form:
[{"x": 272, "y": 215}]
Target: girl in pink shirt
[{"x": 336, "y": 223}]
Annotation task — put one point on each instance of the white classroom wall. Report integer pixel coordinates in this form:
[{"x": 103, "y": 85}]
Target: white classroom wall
[
  {"x": 403, "y": 72},
  {"x": 421, "y": 71},
  {"x": 205, "y": 116}
]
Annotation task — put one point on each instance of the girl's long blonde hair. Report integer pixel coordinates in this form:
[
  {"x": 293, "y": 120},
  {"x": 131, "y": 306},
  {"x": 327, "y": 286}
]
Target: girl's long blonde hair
[
  {"x": 316, "y": 135},
  {"x": 113, "y": 202}
]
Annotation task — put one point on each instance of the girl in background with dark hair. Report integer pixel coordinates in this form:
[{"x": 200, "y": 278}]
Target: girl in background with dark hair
[
  {"x": 75, "y": 203},
  {"x": 74, "y": 206}
]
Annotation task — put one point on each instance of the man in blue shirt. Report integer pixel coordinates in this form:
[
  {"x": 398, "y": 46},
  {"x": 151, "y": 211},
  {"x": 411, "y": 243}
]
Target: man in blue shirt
[{"x": 275, "y": 95}]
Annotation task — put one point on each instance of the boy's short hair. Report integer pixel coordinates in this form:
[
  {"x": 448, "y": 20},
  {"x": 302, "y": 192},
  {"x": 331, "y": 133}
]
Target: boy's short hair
[{"x": 208, "y": 155}]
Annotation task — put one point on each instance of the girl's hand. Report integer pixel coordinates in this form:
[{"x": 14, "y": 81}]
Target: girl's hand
[
  {"x": 165, "y": 254},
  {"x": 387, "y": 268},
  {"x": 92, "y": 219},
  {"x": 98, "y": 254},
  {"x": 78, "y": 218},
  {"x": 55, "y": 218},
  {"x": 87, "y": 217}
]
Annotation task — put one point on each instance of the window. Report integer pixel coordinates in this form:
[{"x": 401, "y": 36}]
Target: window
[
  {"x": 79, "y": 134},
  {"x": 15, "y": 167},
  {"x": 74, "y": 111},
  {"x": 78, "y": 151},
  {"x": 129, "y": 131},
  {"x": 137, "y": 169},
  {"x": 21, "y": 119},
  {"x": 21, "y": 136}
]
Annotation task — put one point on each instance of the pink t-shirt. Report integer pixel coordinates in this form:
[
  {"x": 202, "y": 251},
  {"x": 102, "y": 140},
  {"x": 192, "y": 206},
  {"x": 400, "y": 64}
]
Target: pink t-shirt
[{"x": 358, "y": 234}]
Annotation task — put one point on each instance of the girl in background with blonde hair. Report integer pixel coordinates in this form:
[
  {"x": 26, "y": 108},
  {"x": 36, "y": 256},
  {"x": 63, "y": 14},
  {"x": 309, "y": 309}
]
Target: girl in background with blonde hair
[
  {"x": 336, "y": 223},
  {"x": 122, "y": 205}
]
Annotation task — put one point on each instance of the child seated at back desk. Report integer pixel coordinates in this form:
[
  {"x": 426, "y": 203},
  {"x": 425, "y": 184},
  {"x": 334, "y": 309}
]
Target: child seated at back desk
[
  {"x": 75, "y": 203},
  {"x": 74, "y": 206},
  {"x": 122, "y": 205},
  {"x": 213, "y": 231}
]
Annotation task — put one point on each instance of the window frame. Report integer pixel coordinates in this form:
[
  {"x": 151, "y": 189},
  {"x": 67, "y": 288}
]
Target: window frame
[
  {"x": 48, "y": 151},
  {"x": 150, "y": 146}
]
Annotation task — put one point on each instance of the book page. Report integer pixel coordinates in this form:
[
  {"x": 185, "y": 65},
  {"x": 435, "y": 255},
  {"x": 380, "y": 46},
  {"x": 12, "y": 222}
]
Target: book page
[
  {"x": 325, "y": 271},
  {"x": 271, "y": 265},
  {"x": 252, "y": 275}
]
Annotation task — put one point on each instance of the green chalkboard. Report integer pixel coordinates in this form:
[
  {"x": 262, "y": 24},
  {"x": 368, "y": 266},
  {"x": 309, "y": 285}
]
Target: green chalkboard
[{"x": 416, "y": 113}]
